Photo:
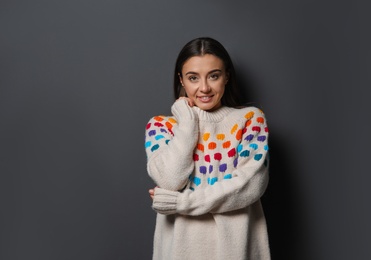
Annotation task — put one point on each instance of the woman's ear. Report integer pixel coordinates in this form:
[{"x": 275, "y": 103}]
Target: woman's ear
[
  {"x": 226, "y": 77},
  {"x": 180, "y": 79}
]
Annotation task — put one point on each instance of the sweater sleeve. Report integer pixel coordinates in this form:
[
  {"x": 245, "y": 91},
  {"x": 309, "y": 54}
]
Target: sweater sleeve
[
  {"x": 249, "y": 181},
  {"x": 169, "y": 147}
]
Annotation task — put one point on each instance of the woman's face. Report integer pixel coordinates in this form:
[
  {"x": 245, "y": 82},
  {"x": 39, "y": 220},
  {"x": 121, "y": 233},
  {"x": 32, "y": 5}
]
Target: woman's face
[{"x": 204, "y": 79}]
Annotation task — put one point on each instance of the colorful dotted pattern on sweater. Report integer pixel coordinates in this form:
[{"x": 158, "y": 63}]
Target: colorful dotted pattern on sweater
[
  {"x": 214, "y": 152},
  {"x": 157, "y": 129},
  {"x": 224, "y": 152}
]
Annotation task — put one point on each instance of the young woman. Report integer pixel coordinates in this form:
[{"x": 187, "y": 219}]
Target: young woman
[{"x": 209, "y": 161}]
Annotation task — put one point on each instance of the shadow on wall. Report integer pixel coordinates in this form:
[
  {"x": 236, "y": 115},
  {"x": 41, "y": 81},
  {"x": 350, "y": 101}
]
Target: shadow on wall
[
  {"x": 279, "y": 203},
  {"x": 282, "y": 203}
]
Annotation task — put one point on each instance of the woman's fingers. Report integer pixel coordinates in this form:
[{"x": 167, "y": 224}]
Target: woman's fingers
[
  {"x": 189, "y": 101},
  {"x": 151, "y": 193}
]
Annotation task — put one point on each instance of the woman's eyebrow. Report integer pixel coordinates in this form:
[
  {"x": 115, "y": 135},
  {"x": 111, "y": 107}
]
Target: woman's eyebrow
[
  {"x": 211, "y": 71},
  {"x": 216, "y": 70},
  {"x": 191, "y": 72}
]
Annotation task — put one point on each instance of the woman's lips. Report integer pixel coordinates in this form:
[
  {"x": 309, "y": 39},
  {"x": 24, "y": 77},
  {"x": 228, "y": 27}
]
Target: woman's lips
[{"x": 205, "y": 99}]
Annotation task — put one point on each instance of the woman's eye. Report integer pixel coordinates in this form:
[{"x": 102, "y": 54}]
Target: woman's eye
[
  {"x": 192, "y": 78},
  {"x": 214, "y": 76}
]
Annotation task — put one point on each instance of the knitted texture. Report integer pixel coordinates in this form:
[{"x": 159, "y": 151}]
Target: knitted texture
[{"x": 211, "y": 169}]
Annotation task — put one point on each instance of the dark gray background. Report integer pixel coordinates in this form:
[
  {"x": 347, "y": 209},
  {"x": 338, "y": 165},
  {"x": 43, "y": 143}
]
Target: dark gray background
[{"x": 80, "y": 79}]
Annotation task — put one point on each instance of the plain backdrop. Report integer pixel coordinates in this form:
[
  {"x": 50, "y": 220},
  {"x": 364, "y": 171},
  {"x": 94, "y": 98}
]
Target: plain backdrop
[{"x": 80, "y": 79}]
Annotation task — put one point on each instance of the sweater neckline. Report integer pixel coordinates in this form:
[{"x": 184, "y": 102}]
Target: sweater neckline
[{"x": 214, "y": 116}]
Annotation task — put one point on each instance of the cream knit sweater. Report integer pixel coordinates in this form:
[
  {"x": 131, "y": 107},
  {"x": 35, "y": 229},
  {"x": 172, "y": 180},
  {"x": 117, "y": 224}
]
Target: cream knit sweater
[{"x": 211, "y": 169}]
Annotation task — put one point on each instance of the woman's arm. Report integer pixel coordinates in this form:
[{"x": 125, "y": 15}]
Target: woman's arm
[
  {"x": 247, "y": 185},
  {"x": 170, "y": 145}
]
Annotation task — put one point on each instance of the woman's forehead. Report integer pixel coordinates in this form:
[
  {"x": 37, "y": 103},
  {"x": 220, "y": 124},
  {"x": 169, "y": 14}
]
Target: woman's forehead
[{"x": 203, "y": 63}]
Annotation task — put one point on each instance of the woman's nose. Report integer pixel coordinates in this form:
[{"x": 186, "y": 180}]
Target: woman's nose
[{"x": 204, "y": 86}]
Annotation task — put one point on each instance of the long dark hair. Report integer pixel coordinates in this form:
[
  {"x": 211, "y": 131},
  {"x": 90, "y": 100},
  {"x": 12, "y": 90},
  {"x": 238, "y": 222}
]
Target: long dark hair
[{"x": 200, "y": 47}]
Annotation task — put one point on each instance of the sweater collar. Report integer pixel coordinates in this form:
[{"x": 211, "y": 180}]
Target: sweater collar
[{"x": 214, "y": 116}]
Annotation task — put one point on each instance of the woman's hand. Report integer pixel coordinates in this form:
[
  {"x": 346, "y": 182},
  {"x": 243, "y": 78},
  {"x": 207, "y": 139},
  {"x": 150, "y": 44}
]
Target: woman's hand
[
  {"x": 151, "y": 193},
  {"x": 189, "y": 101}
]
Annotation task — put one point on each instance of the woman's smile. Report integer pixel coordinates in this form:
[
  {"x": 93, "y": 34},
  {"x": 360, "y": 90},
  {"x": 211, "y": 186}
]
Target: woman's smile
[{"x": 205, "y": 99}]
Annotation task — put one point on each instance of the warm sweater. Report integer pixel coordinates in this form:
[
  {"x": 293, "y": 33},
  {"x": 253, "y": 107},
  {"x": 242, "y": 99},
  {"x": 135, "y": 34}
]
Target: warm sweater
[{"x": 211, "y": 169}]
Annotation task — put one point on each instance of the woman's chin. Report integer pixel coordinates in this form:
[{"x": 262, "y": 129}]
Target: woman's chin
[{"x": 208, "y": 106}]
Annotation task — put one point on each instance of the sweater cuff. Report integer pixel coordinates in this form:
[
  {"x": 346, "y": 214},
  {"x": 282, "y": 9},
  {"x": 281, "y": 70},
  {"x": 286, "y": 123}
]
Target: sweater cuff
[
  {"x": 165, "y": 201},
  {"x": 182, "y": 111}
]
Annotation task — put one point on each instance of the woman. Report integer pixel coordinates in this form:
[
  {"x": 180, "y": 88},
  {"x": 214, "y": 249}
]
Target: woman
[{"x": 210, "y": 163}]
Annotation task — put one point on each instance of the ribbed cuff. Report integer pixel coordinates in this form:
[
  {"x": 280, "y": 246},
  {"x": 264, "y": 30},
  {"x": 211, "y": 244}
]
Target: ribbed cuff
[{"x": 165, "y": 201}]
